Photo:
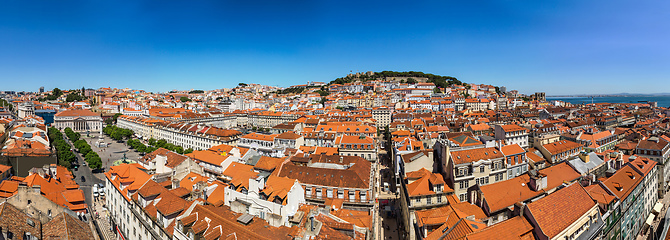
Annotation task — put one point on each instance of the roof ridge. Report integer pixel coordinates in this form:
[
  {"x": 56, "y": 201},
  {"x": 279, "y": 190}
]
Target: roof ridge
[
  {"x": 67, "y": 232},
  {"x": 231, "y": 222}
]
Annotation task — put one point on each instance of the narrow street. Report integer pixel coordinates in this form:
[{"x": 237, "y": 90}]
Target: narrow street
[{"x": 84, "y": 171}]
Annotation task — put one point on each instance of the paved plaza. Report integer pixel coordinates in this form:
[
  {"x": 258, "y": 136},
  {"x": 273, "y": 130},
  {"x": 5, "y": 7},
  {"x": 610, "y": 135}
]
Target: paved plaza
[{"x": 113, "y": 152}]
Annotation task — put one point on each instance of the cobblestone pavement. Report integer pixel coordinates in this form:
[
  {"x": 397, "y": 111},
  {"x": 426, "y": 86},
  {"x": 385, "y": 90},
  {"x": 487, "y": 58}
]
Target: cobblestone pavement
[
  {"x": 102, "y": 217},
  {"x": 114, "y": 151}
]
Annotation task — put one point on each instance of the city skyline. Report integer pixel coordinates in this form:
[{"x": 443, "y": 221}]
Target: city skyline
[{"x": 568, "y": 48}]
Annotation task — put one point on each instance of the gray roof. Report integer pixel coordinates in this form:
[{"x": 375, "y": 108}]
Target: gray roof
[{"x": 582, "y": 167}]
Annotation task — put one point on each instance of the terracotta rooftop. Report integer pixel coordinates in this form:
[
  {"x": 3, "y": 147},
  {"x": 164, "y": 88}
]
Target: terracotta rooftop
[
  {"x": 474, "y": 155},
  {"x": 66, "y": 227},
  {"x": 506, "y": 193},
  {"x": 513, "y": 228},
  {"x": 561, "y": 146},
  {"x": 559, "y": 210}
]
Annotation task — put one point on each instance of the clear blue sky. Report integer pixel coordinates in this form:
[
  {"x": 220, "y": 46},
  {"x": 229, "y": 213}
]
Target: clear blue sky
[{"x": 560, "y": 47}]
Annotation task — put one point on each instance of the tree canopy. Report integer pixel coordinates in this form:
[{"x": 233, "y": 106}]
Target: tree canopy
[
  {"x": 439, "y": 81},
  {"x": 73, "y": 97}
]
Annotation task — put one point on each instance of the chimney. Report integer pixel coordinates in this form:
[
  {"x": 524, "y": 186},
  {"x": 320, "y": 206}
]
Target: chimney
[
  {"x": 538, "y": 182},
  {"x": 518, "y": 209},
  {"x": 584, "y": 156}
]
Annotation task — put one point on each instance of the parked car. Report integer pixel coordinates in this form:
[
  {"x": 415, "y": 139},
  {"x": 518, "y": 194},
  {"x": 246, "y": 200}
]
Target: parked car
[
  {"x": 83, "y": 179},
  {"x": 95, "y": 190}
]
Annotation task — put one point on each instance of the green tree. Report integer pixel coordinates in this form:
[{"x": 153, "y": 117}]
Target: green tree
[
  {"x": 184, "y": 99},
  {"x": 152, "y": 141},
  {"x": 56, "y": 92},
  {"x": 73, "y": 97},
  {"x": 187, "y": 151},
  {"x": 64, "y": 163},
  {"x": 161, "y": 143},
  {"x": 323, "y": 93},
  {"x": 116, "y": 117},
  {"x": 437, "y": 90},
  {"x": 411, "y": 80}
]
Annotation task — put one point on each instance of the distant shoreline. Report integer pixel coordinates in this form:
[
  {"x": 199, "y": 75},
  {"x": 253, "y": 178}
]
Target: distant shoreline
[{"x": 610, "y": 95}]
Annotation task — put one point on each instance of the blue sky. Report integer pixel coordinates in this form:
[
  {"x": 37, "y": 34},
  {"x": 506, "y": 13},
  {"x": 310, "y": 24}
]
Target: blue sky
[{"x": 560, "y": 47}]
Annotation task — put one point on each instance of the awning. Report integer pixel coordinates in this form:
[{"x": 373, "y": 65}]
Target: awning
[
  {"x": 650, "y": 219},
  {"x": 658, "y": 207}
]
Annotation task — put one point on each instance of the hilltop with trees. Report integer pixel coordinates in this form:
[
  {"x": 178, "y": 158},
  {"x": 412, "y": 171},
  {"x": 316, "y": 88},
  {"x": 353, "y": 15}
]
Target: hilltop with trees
[{"x": 411, "y": 76}]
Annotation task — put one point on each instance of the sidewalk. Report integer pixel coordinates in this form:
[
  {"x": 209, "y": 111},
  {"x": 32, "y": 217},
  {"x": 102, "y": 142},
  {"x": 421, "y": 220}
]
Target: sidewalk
[
  {"x": 102, "y": 217},
  {"x": 657, "y": 221}
]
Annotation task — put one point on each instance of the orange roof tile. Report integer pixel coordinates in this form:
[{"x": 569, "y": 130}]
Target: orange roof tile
[
  {"x": 556, "y": 212},
  {"x": 513, "y": 228},
  {"x": 473, "y": 155}
]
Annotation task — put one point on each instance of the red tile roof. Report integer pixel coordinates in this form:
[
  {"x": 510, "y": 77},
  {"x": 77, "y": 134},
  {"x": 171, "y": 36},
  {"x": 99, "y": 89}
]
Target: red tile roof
[
  {"x": 513, "y": 228},
  {"x": 506, "y": 193},
  {"x": 559, "y": 210},
  {"x": 473, "y": 155}
]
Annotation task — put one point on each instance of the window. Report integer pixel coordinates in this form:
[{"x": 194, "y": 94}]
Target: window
[
  {"x": 481, "y": 168},
  {"x": 308, "y": 191},
  {"x": 429, "y": 200},
  {"x": 439, "y": 199},
  {"x": 329, "y": 193},
  {"x": 462, "y": 197},
  {"x": 340, "y": 194}
]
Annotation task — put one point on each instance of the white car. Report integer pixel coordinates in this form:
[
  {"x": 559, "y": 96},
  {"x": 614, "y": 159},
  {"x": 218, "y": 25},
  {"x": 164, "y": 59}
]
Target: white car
[
  {"x": 101, "y": 190},
  {"x": 95, "y": 190}
]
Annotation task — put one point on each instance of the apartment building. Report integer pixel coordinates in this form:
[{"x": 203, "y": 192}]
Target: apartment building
[
  {"x": 569, "y": 213},
  {"x": 498, "y": 200},
  {"x": 289, "y": 140},
  {"x": 515, "y": 159},
  {"x": 348, "y": 178},
  {"x": 625, "y": 184},
  {"x": 472, "y": 167},
  {"x": 268, "y": 119},
  {"x": 511, "y": 134},
  {"x": 426, "y": 189},
  {"x": 561, "y": 150},
  {"x": 657, "y": 149},
  {"x": 264, "y": 144},
  {"x": 597, "y": 142},
  {"x": 197, "y": 137},
  {"x": 359, "y": 146},
  {"x": 275, "y": 199},
  {"x": 382, "y": 116}
]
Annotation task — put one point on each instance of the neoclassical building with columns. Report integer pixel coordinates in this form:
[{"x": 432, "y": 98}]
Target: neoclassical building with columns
[{"x": 80, "y": 120}]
